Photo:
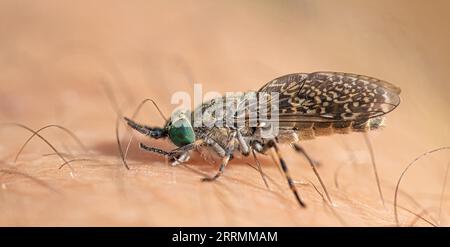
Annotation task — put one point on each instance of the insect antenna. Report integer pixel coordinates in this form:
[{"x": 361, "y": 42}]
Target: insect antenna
[
  {"x": 135, "y": 113},
  {"x": 397, "y": 187},
  {"x": 71, "y": 134},
  {"x": 374, "y": 165}
]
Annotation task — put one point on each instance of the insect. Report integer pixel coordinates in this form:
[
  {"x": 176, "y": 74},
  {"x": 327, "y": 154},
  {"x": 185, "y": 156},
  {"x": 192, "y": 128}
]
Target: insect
[{"x": 308, "y": 105}]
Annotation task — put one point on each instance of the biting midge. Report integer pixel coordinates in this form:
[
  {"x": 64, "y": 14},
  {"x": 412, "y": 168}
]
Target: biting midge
[{"x": 307, "y": 105}]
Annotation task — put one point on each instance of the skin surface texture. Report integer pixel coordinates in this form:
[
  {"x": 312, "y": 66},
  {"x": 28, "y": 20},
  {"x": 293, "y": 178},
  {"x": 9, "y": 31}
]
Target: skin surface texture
[{"x": 77, "y": 64}]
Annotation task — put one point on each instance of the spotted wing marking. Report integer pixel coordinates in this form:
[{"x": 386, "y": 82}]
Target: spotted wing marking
[{"x": 334, "y": 96}]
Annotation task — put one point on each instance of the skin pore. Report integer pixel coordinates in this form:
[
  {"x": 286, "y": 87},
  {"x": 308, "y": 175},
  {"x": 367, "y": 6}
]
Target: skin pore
[{"x": 77, "y": 67}]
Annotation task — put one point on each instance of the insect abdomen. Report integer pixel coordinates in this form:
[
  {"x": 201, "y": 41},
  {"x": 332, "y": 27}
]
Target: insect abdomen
[{"x": 310, "y": 130}]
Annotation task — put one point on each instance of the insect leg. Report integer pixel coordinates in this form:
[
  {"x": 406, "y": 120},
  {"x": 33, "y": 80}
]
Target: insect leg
[
  {"x": 245, "y": 149},
  {"x": 221, "y": 169},
  {"x": 217, "y": 148},
  {"x": 225, "y": 159},
  {"x": 272, "y": 144},
  {"x": 258, "y": 147},
  {"x": 178, "y": 155},
  {"x": 299, "y": 149},
  {"x": 154, "y": 150},
  {"x": 184, "y": 157}
]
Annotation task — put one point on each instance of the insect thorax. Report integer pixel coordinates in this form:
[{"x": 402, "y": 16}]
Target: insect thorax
[{"x": 218, "y": 117}]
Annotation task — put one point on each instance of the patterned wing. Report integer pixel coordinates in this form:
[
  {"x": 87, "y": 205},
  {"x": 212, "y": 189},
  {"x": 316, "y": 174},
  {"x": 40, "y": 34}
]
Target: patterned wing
[{"x": 332, "y": 97}]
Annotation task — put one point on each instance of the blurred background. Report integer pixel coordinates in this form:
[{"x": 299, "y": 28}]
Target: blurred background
[{"x": 65, "y": 62}]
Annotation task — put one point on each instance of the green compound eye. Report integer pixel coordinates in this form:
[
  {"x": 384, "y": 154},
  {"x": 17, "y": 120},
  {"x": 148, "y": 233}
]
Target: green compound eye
[{"x": 181, "y": 132}]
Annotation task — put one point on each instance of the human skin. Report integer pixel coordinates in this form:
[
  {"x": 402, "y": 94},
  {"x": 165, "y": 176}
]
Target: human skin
[{"x": 75, "y": 64}]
